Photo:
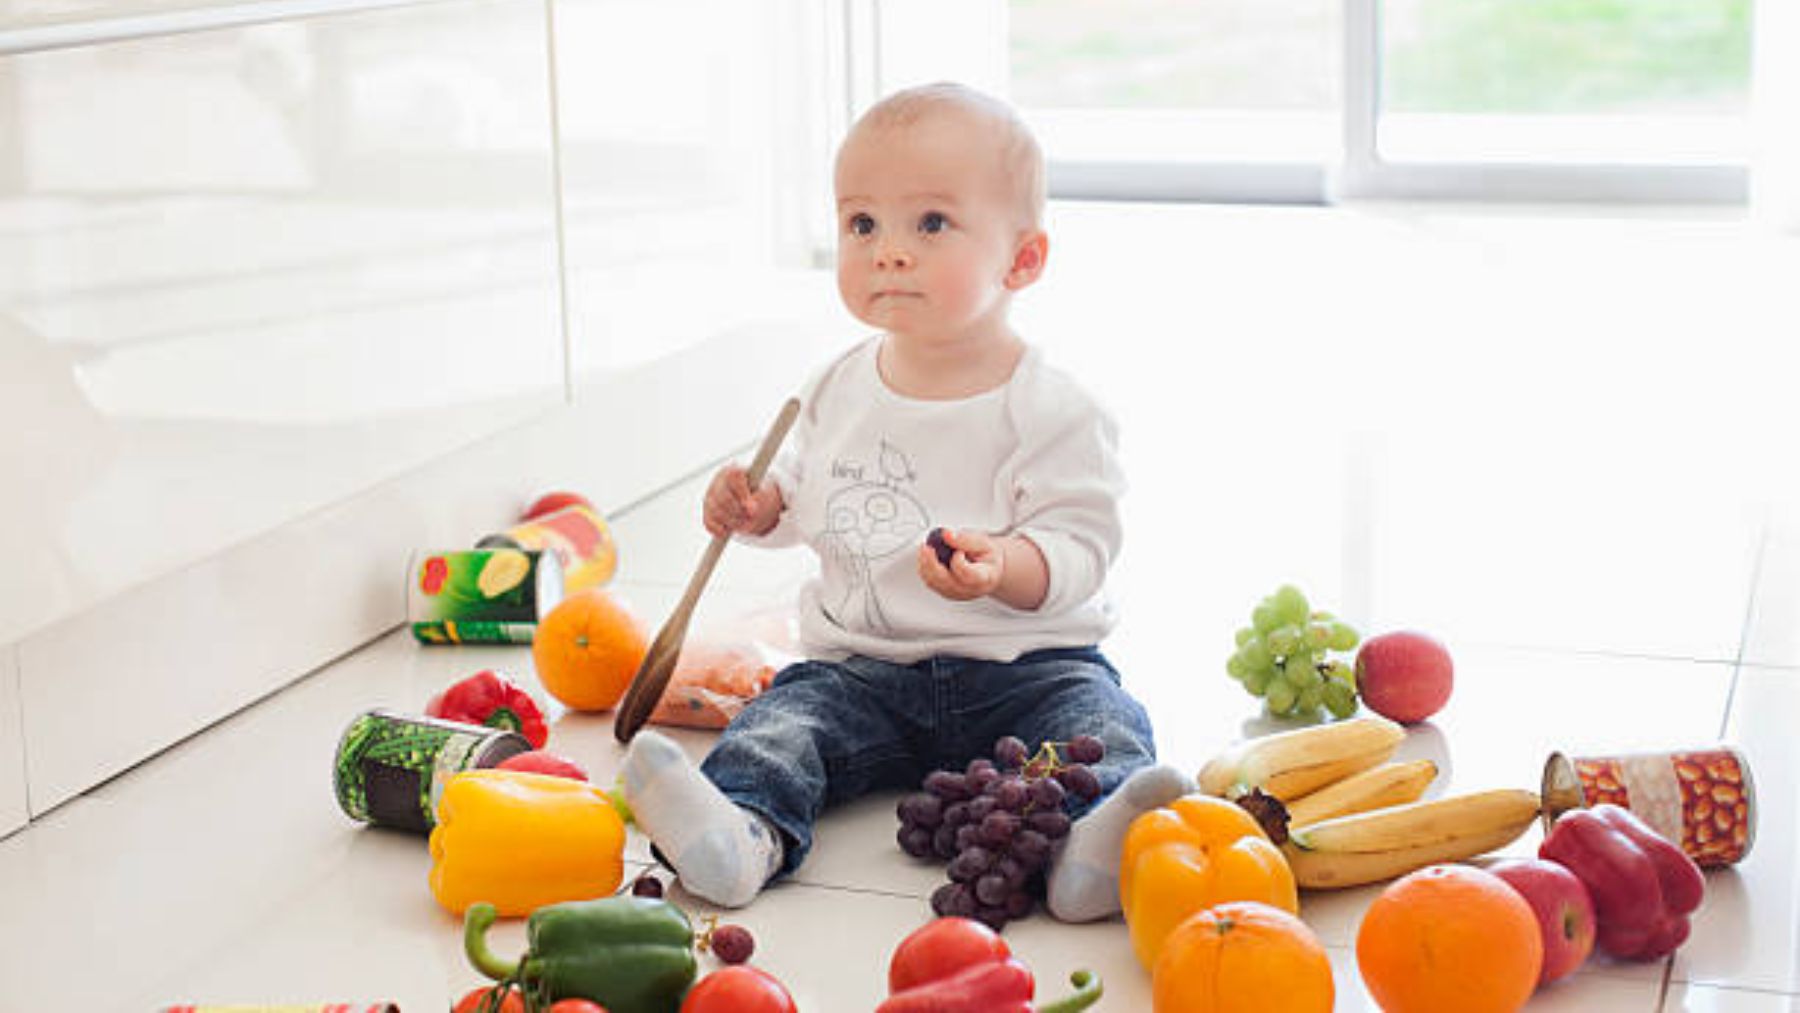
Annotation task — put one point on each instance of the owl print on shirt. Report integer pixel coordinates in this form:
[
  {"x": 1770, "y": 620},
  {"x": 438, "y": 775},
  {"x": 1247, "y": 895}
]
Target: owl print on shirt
[{"x": 868, "y": 517}]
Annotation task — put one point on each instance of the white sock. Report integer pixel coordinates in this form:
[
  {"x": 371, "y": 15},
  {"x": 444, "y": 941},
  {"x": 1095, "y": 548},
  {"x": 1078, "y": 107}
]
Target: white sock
[
  {"x": 720, "y": 851},
  {"x": 1084, "y": 882}
]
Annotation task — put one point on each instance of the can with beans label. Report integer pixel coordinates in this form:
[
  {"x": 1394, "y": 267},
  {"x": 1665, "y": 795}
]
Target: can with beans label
[
  {"x": 390, "y": 768},
  {"x": 1702, "y": 799}
]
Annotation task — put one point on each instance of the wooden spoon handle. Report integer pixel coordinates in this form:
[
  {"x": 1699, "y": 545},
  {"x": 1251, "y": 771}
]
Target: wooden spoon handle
[
  {"x": 659, "y": 662},
  {"x": 759, "y": 466}
]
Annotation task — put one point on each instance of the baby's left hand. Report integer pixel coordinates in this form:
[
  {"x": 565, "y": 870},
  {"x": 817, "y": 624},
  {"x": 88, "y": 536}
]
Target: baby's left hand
[{"x": 973, "y": 572}]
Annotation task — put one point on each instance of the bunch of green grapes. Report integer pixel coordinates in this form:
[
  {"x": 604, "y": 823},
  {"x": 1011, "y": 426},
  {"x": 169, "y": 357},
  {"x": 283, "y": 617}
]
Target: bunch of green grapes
[{"x": 1282, "y": 657}]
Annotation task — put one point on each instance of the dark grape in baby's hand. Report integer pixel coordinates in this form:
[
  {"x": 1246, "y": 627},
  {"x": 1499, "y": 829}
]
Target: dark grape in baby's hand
[{"x": 940, "y": 546}]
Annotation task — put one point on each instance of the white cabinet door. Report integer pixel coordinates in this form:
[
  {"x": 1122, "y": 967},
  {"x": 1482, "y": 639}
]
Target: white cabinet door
[{"x": 221, "y": 324}]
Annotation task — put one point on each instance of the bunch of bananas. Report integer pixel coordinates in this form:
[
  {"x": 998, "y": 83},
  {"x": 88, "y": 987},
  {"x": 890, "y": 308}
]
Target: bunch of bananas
[{"x": 1350, "y": 815}]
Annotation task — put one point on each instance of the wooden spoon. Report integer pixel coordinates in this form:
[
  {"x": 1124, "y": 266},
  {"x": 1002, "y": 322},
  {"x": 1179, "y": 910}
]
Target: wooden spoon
[{"x": 659, "y": 662}]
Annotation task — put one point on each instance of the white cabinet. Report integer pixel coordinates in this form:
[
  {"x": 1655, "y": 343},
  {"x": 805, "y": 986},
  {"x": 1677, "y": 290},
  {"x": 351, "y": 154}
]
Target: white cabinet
[
  {"x": 285, "y": 303},
  {"x": 254, "y": 280},
  {"x": 250, "y": 272}
]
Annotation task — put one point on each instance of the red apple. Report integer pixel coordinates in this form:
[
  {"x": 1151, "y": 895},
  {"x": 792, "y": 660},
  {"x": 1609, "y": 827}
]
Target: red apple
[
  {"x": 1404, "y": 676},
  {"x": 551, "y": 502},
  {"x": 1565, "y": 911}
]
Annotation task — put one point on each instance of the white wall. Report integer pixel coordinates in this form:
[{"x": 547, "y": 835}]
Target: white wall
[{"x": 282, "y": 303}]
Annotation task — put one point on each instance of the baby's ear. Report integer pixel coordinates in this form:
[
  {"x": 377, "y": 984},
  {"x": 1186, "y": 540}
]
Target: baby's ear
[{"x": 1028, "y": 259}]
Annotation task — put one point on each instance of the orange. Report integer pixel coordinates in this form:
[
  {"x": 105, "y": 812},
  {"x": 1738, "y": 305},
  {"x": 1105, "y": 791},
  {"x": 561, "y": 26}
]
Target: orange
[
  {"x": 1449, "y": 937},
  {"x": 588, "y": 649},
  {"x": 1243, "y": 956}
]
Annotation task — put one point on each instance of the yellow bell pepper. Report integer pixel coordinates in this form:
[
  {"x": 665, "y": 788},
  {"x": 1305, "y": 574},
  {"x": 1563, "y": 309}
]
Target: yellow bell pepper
[
  {"x": 520, "y": 841},
  {"x": 1185, "y": 857}
]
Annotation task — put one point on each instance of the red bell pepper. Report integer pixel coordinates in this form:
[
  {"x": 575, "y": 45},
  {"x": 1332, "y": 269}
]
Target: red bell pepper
[
  {"x": 957, "y": 965},
  {"x": 486, "y": 698},
  {"x": 1643, "y": 886}
]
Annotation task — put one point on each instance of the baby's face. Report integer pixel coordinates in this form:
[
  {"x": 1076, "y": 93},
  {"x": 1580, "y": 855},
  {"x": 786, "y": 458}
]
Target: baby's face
[{"x": 928, "y": 225}]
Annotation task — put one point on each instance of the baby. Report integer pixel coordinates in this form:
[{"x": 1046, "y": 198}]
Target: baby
[{"x": 946, "y": 421}]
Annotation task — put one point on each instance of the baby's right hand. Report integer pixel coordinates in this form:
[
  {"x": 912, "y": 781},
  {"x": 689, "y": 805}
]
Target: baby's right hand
[{"x": 731, "y": 507}]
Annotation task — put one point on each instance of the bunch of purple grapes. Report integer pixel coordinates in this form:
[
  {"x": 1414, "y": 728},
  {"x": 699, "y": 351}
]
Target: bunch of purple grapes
[{"x": 997, "y": 823}]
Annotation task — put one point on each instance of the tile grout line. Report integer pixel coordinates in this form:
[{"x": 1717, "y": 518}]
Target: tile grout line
[
  {"x": 1737, "y": 671},
  {"x": 1737, "y": 662},
  {"x": 866, "y": 890}
]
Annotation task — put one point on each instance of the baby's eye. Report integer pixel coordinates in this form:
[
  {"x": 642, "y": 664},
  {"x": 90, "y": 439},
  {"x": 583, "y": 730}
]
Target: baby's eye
[
  {"x": 933, "y": 222},
  {"x": 860, "y": 224}
]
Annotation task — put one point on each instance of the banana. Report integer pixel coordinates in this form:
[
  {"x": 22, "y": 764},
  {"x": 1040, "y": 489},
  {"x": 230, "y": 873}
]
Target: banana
[
  {"x": 1383, "y": 843},
  {"x": 1288, "y": 765},
  {"x": 1376, "y": 788}
]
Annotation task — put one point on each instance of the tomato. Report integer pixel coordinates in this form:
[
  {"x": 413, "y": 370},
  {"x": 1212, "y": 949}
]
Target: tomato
[
  {"x": 551, "y": 502},
  {"x": 577, "y": 1006},
  {"x": 474, "y": 1001},
  {"x": 738, "y": 989}
]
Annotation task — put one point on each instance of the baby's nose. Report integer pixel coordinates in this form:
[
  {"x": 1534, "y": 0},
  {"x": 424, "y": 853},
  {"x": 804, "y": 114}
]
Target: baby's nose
[{"x": 891, "y": 257}]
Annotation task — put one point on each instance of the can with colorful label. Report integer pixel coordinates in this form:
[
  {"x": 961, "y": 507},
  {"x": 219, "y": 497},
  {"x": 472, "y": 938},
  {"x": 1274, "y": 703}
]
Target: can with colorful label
[
  {"x": 390, "y": 768},
  {"x": 481, "y": 596},
  {"x": 576, "y": 534},
  {"x": 1702, "y": 799}
]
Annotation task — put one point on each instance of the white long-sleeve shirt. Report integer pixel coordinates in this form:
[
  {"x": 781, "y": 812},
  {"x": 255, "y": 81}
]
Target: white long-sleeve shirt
[{"x": 867, "y": 473}]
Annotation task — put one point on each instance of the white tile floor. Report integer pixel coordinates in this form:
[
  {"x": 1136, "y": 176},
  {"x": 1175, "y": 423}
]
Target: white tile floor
[{"x": 1365, "y": 403}]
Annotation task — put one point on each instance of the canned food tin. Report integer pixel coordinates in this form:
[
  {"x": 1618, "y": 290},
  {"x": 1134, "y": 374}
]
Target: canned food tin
[
  {"x": 1702, "y": 799},
  {"x": 391, "y": 768},
  {"x": 577, "y": 535},
  {"x": 481, "y": 596}
]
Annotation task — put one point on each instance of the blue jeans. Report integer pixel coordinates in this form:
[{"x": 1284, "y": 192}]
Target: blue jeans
[{"x": 828, "y": 732}]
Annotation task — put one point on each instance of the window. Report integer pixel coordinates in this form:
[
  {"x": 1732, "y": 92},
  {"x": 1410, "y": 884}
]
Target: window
[
  {"x": 1192, "y": 99},
  {"x": 1565, "y": 80},
  {"x": 1287, "y": 99}
]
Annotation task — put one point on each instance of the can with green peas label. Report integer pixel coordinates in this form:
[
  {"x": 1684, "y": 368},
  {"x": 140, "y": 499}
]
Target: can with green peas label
[{"x": 390, "y": 768}]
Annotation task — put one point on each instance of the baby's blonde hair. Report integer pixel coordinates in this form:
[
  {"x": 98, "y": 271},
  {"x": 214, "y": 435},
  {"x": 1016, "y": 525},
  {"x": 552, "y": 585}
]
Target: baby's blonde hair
[{"x": 1021, "y": 159}]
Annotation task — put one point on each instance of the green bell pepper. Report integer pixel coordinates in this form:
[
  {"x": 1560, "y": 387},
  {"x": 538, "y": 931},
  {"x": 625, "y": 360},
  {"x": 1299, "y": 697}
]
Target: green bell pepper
[{"x": 629, "y": 954}]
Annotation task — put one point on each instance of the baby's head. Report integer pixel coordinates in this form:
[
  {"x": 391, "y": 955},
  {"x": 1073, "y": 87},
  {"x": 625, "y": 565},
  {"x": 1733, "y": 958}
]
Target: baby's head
[
  {"x": 1002, "y": 155},
  {"x": 940, "y": 194}
]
